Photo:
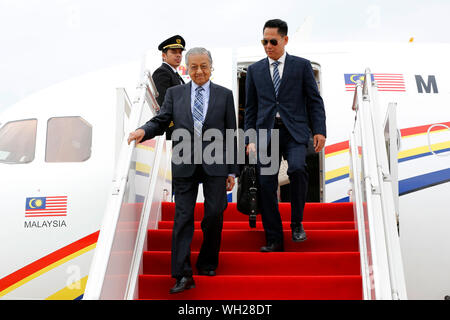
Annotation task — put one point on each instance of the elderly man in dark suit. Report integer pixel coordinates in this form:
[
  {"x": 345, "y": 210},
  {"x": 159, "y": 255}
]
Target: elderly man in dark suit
[
  {"x": 194, "y": 108},
  {"x": 281, "y": 93},
  {"x": 167, "y": 76}
]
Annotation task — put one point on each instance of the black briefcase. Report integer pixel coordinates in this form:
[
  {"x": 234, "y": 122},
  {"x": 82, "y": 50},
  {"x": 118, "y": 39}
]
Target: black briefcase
[{"x": 247, "y": 199}]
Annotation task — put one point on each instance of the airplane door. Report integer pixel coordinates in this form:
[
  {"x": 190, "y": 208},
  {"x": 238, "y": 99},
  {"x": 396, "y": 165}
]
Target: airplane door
[{"x": 314, "y": 161}]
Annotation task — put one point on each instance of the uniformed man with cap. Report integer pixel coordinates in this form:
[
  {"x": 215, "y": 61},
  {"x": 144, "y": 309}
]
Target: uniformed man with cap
[{"x": 166, "y": 75}]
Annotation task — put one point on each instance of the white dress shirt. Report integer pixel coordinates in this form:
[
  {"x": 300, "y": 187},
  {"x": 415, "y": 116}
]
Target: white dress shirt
[
  {"x": 206, "y": 86},
  {"x": 280, "y": 65},
  {"x": 173, "y": 69}
]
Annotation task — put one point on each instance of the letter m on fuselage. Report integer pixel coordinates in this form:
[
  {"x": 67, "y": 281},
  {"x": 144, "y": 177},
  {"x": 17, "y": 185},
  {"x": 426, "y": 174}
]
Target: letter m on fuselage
[{"x": 431, "y": 84}]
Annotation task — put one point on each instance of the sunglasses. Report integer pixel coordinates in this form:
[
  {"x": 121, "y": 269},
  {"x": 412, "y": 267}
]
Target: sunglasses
[{"x": 273, "y": 42}]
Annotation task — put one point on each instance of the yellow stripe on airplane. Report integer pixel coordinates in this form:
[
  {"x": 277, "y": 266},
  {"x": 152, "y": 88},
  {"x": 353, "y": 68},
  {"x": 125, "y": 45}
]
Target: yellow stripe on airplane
[
  {"x": 336, "y": 173},
  {"x": 421, "y": 150},
  {"x": 71, "y": 292},
  {"x": 46, "y": 269}
]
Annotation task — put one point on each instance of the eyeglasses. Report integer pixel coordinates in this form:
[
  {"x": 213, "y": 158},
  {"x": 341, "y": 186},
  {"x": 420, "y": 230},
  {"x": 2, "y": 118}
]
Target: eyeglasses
[
  {"x": 203, "y": 67},
  {"x": 273, "y": 42}
]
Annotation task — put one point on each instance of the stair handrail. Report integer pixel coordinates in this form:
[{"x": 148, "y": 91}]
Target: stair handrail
[
  {"x": 151, "y": 93},
  {"x": 388, "y": 177},
  {"x": 145, "y": 98},
  {"x": 373, "y": 198}
]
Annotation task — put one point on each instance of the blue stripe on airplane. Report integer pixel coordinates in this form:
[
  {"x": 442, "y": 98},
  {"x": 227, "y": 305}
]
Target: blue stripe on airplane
[{"x": 423, "y": 181}]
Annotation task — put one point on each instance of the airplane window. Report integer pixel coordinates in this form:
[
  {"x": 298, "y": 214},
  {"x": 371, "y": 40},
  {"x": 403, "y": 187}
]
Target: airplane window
[
  {"x": 18, "y": 141},
  {"x": 69, "y": 139}
]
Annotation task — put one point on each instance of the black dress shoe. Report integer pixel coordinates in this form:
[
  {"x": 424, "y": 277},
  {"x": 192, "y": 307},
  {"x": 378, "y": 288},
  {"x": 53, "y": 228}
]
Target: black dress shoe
[
  {"x": 298, "y": 233},
  {"x": 183, "y": 284},
  {"x": 205, "y": 272},
  {"x": 273, "y": 247}
]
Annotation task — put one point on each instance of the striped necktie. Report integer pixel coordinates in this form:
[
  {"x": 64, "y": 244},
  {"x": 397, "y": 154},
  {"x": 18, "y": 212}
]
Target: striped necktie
[
  {"x": 198, "y": 111},
  {"x": 276, "y": 77}
]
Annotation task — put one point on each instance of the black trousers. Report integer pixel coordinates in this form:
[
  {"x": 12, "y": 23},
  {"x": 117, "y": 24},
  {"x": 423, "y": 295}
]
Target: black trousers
[
  {"x": 215, "y": 194},
  {"x": 295, "y": 154}
]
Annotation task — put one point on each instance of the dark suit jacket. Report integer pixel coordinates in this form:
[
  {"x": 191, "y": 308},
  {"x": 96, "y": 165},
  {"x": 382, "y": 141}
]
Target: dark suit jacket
[
  {"x": 164, "y": 78},
  {"x": 299, "y": 102},
  {"x": 177, "y": 108}
]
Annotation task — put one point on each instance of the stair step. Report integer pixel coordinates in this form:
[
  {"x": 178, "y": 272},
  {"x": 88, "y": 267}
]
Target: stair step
[
  {"x": 325, "y": 266},
  {"x": 243, "y": 225},
  {"x": 254, "y": 288},
  {"x": 312, "y": 212},
  {"x": 259, "y": 263},
  {"x": 252, "y": 240}
]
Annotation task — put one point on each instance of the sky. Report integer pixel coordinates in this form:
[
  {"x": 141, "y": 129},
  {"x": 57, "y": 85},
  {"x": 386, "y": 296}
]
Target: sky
[{"x": 43, "y": 42}]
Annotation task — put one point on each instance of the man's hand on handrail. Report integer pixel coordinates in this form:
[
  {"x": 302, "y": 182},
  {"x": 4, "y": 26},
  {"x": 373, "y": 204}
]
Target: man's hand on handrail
[{"x": 137, "y": 135}]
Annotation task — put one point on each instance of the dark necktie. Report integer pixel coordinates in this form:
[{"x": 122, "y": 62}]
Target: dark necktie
[
  {"x": 179, "y": 78},
  {"x": 276, "y": 77}
]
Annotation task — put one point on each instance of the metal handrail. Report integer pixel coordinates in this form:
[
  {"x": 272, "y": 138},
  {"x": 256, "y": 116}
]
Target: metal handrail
[
  {"x": 110, "y": 220},
  {"x": 137, "y": 259},
  {"x": 152, "y": 83},
  {"x": 429, "y": 142},
  {"x": 371, "y": 185},
  {"x": 360, "y": 220},
  {"x": 149, "y": 86},
  {"x": 382, "y": 236}
]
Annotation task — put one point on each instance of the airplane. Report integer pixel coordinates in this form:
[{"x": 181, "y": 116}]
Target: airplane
[{"x": 72, "y": 191}]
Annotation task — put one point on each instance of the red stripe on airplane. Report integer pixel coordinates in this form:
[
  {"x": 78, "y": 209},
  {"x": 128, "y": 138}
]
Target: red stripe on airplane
[
  {"x": 47, "y": 260},
  {"x": 43, "y": 215},
  {"x": 422, "y": 129},
  {"x": 340, "y": 146}
]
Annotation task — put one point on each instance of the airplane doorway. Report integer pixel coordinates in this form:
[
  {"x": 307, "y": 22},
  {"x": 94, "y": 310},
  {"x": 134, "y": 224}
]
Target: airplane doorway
[{"x": 314, "y": 161}]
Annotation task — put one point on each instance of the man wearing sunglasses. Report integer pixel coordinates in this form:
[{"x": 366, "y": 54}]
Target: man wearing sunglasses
[{"x": 282, "y": 94}]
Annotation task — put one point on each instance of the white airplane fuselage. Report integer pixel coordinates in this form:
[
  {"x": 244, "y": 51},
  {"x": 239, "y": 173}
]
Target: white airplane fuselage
[{"x": 44, "y": 256}]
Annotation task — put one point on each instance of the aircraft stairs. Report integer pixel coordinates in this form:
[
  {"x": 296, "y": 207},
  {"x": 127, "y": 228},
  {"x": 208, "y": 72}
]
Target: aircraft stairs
[
  {"x": 352, "y": 250},
  {"x": 326, "y": 266}
]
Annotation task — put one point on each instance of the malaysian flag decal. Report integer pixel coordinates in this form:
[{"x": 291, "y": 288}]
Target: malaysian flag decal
[
  {"x": 46, "y": 207},
  {"x": 393, "y": 82}
]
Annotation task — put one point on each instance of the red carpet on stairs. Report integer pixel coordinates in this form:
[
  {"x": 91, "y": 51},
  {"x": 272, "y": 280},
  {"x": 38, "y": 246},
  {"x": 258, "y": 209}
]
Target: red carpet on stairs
[{"x": 325, "y": 266}]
